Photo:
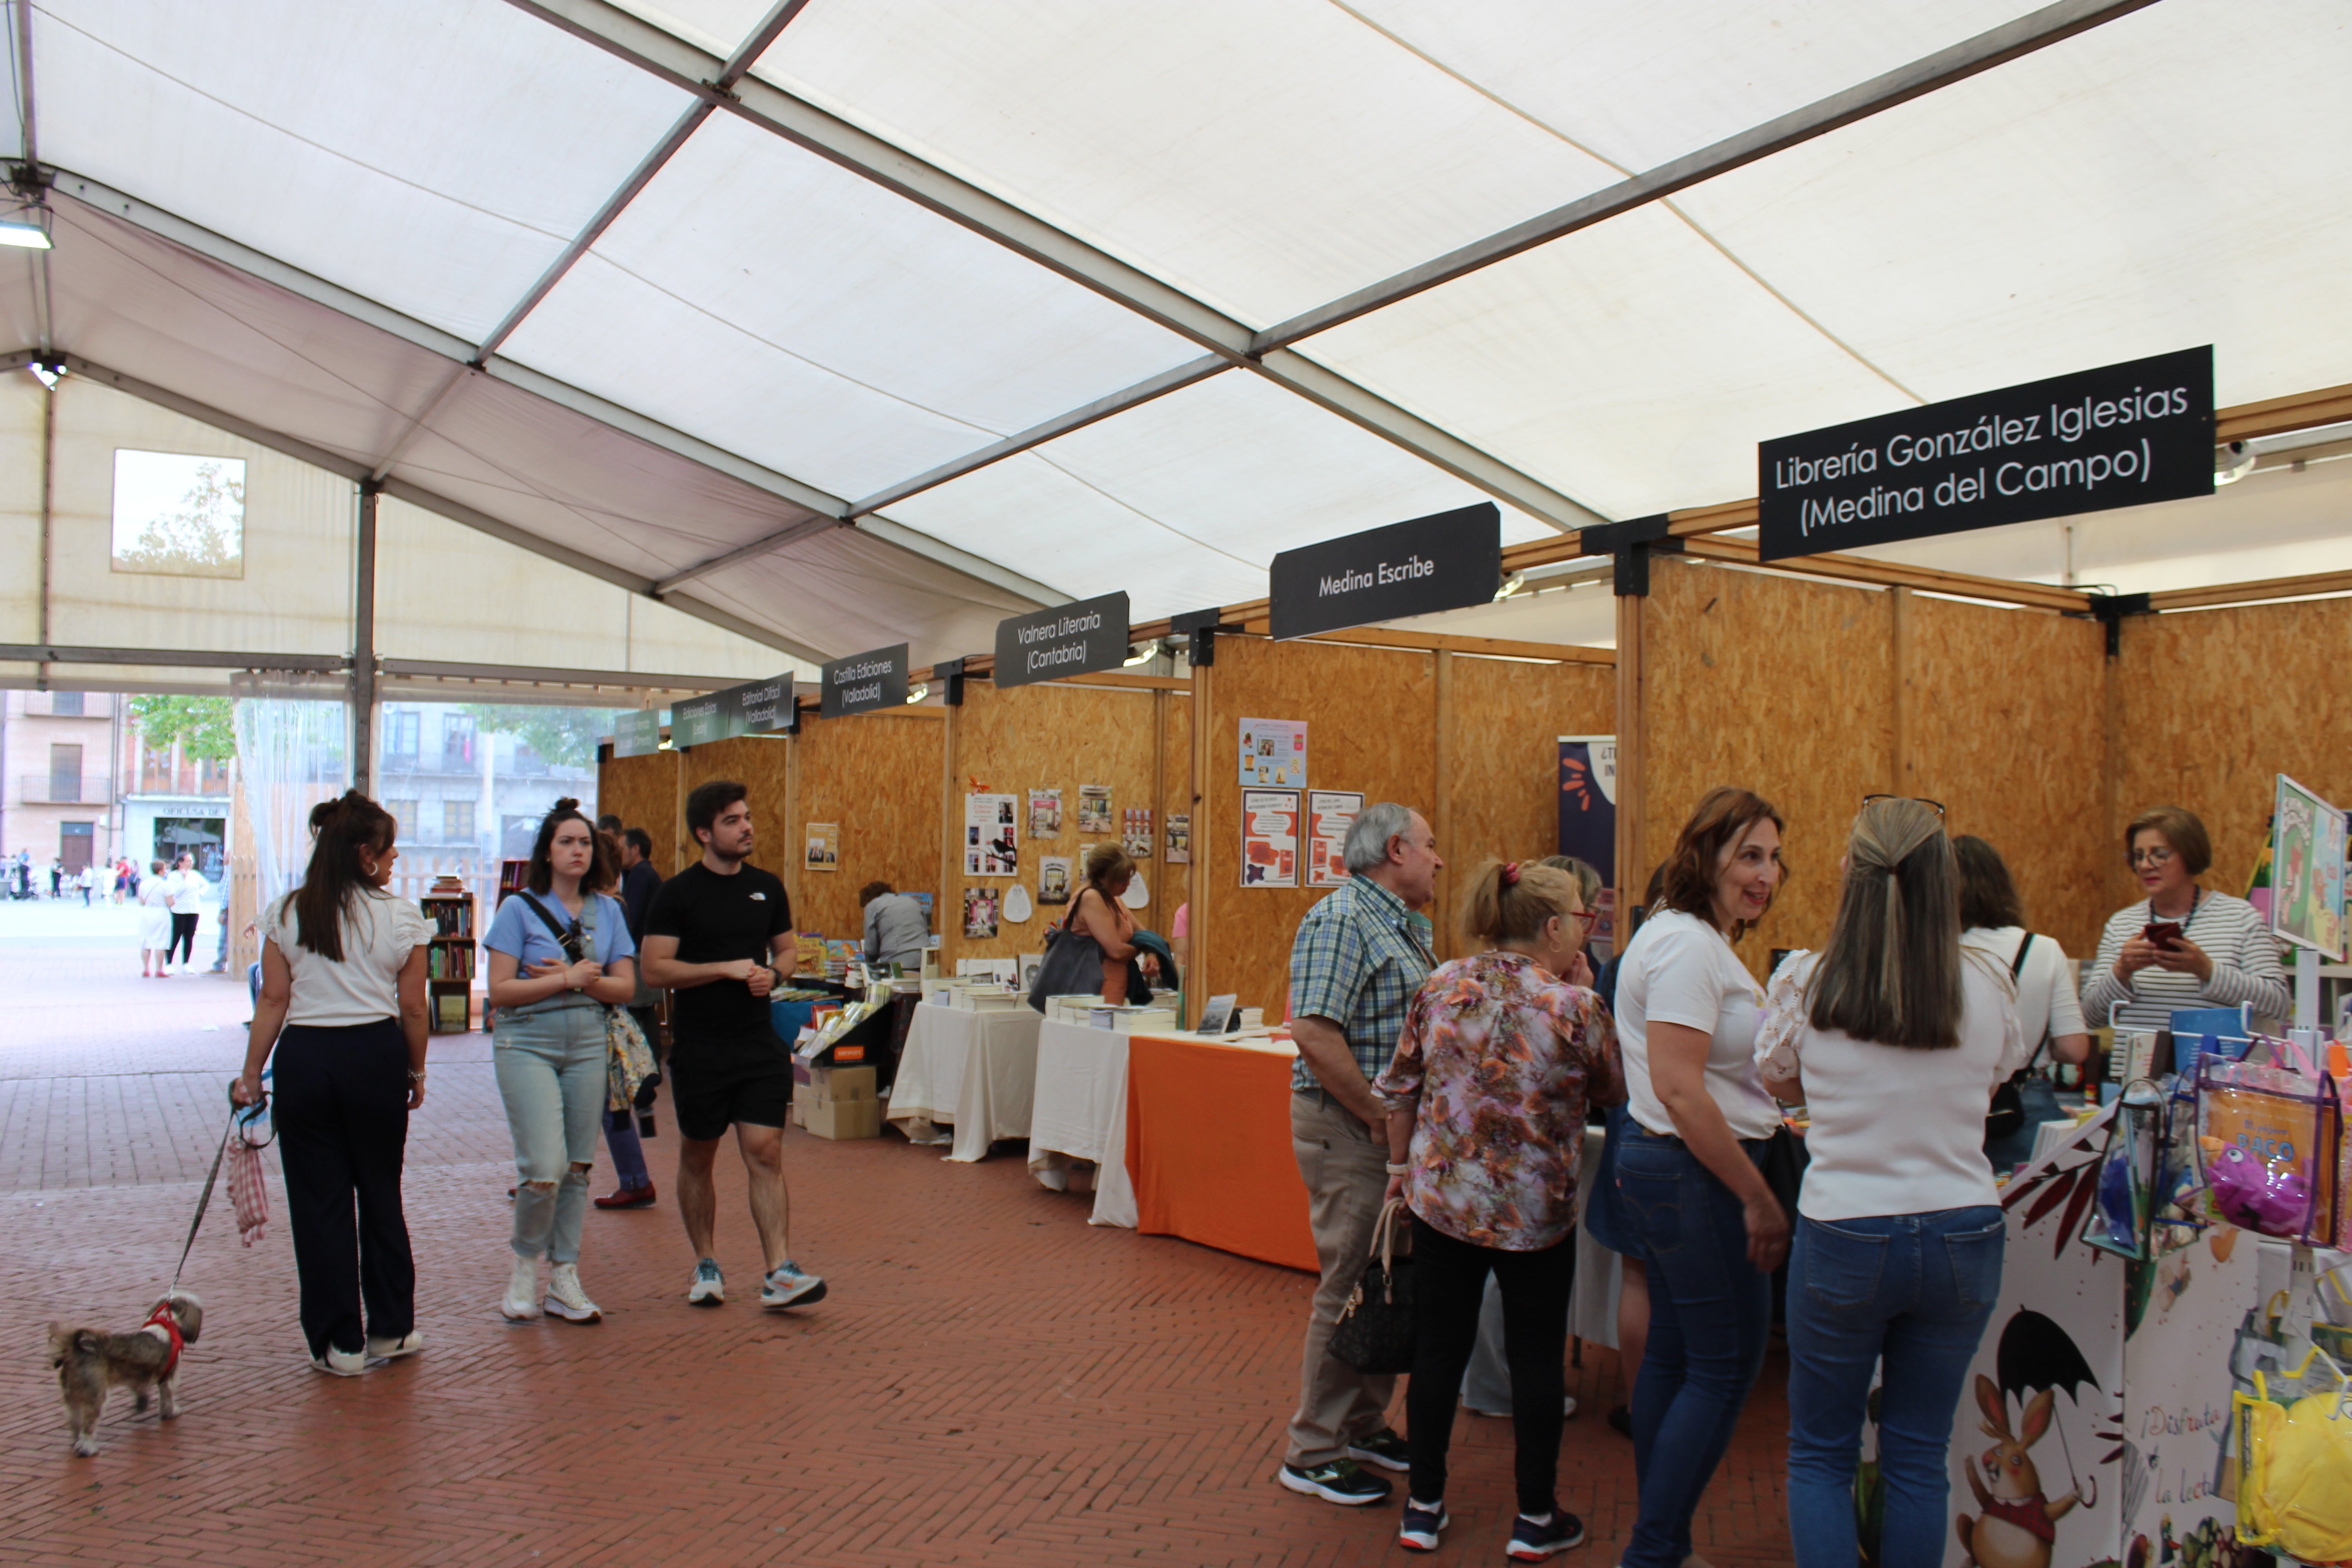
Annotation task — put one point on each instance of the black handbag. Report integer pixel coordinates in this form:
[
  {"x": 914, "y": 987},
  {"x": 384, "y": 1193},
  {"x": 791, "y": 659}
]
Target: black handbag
[
  {"x": 1374, "y": 1333},
  {"x": 2005, "y": 1118},
  {"x": 1073, "y": 964}
]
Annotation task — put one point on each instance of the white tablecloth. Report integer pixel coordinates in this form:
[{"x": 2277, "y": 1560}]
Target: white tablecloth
[
  {"x": 975, "y": 1070},
  {"x": 1080, "y": 1113},
  {"x": 1600, "y": 1273}
]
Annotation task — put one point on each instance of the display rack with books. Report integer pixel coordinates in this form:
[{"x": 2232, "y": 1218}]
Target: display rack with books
[
  {"x": 512, "y": 874},
  {"x": 449, "y": 956}
]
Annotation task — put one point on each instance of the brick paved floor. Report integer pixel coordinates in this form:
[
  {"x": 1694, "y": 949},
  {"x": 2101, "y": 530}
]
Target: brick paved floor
[{"x": 991, "y": 1380}]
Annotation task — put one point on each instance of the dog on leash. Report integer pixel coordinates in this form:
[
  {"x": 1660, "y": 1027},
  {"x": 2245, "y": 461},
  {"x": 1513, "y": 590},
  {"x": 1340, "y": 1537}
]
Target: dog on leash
[{"x": 90, "y": 1363}]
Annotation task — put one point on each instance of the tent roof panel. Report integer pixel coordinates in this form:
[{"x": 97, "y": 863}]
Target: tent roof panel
[
  {"x": 432, "y": 157},
  {"x": 866, "y": 593},
  {"x": 717, "y": 25}
]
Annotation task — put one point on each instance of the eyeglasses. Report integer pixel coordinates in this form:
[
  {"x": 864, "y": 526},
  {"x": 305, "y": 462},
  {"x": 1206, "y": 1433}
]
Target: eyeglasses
[
  {"x": 1588, "y": 919},
  {"x": 2157, "y": 856},
  {"x": 1922, "y": 799}
]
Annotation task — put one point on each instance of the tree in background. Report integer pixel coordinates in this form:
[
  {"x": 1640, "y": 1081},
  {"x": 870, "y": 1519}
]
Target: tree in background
[
  {"x": 565, "y": 737},
  {"x": 204, "y": 536},
  {"x": 201, "y": 724}
]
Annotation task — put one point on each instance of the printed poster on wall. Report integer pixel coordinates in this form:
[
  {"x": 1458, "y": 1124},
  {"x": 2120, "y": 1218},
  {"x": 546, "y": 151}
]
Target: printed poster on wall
[
  {"x": 824, "y": 853},
  {"x": 1274, "y": 752},
  {"x": 2307, "y": 871},
  {"x": 1588, "y": 820},
  {"x": 1093, "y": 808},
  {"x": 1054, "y": 880},
  {"x": 1135, "y": 832},
  {"x": 1179, "y": 838},
  {"x": 1044, "y": 814},
  {"x": 1330, "y": 814},
  {"x": 1269, "y": 838},
  {"x": 979, "y": 911},
  {"x": 992, "y": 837}
]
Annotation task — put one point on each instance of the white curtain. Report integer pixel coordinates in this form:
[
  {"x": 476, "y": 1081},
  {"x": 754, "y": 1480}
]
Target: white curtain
[{"x": 293, "y": 746}]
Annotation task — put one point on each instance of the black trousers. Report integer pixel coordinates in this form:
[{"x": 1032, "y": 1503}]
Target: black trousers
[
  {"x": 1449, "y": 1281},
  {"x": 183, "y": 937},
  {"x": 342, "y": 1113}
]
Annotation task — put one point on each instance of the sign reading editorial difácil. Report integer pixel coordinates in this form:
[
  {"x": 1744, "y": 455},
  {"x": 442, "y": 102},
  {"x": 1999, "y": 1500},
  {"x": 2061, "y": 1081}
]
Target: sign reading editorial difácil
[
  {"x": 1082, "y": 638},
  {"x": 2123, "y": 435},
  {"x": 864, "y": 682},
  {"x": 1446, "y": 562}
]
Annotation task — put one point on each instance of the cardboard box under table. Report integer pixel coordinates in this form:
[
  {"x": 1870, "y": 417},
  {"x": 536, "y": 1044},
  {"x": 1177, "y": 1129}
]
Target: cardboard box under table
[
  {"x": 1209, "y": 1147},
  {"x": 974, "y": 1070},
  {"x": 838, "y": 1102}
]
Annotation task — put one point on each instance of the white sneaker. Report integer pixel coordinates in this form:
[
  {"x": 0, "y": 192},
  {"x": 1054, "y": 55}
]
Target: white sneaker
[
  {"x": 340, "y": 1364},
  {"x": 566, "y": 1299},
  {"x": 408, "y": 1344},
  {"x": 522, "y": 1291}
]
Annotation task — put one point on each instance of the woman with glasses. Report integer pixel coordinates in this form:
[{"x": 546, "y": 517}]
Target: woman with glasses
[
  {"x": 2182, "y": 945},
  {"x": 560, "y": 957}
]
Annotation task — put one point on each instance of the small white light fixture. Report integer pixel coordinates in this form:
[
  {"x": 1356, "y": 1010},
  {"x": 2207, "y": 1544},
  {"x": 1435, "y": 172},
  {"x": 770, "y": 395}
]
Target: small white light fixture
[
  {"x": 664, "y": 745},
  {"x": 917, "y": 691},
  {"x": 28, "y": 230},
  {"x": 48, "y": 375},
  {"x": 1511, "y": 585},
  {"x": 2233, "y": 462},
  {"x": 1143, "y": 655}
]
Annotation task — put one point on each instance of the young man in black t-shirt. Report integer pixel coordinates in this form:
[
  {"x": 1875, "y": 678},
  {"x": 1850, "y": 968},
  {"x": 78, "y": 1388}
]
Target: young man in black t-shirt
[{"x": 719, "y": 937}]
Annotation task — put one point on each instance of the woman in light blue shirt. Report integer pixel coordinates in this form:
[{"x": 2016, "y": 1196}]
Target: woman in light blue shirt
[{"x": 560, "y": 955}]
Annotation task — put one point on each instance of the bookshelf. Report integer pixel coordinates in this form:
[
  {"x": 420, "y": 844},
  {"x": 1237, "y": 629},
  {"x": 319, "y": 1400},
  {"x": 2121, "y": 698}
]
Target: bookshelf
[
  {"x": 450, "y": 957},
  {"x": 511, "y": 876}
]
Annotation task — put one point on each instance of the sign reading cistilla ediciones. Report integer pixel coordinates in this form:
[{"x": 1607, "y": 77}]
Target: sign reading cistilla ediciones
[
  {"x": 1069, "y": 639},
  {"x": 1444, "y": 562},
  {"x": 2125, "y": 435},
  {"x": 864, "y": 682}
]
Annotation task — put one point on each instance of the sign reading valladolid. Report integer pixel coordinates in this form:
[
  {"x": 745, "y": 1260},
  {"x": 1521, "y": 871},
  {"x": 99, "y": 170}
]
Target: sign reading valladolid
[
  {"x": 864, "y": 682},
  {"x": 2123, "y": 435},
  {"x": 1070, "y": 639},
  {"x": 1444, "y": 562},
  {"x": 754, "y": 708}
]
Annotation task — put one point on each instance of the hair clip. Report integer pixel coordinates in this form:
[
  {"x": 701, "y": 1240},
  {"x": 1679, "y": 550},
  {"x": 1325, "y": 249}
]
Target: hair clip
[{"x": 1511, "y": 875}]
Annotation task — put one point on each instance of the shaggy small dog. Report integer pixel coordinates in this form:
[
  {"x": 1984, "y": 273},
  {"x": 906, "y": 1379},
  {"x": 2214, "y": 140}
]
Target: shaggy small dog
[{"x": 90, "y": 1363}]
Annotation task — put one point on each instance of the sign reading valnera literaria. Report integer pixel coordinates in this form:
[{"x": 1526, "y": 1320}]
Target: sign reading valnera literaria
[
  {"x": 1083, "y": 638},
  {"x": 2123, "y": 435}
]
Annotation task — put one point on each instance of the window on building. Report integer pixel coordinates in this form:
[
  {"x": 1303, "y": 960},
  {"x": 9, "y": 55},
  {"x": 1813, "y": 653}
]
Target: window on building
[
  {"x": 405, "y": 824},
  {"x": 399, "y": 727},
  {"x": 179, "y": 515},
  {"x": 457, "y": 741},
  {"x": 457, "y": 821},
  {"x": 65, "y": 773},
  {"x": 66, "y": 704}
]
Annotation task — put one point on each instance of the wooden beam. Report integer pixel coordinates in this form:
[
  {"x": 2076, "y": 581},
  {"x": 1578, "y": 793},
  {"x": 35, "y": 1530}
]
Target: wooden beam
[
  {"x": 1631, "y": 875},
  {"x": 2277, "y": 416},
  {"x": 1902, "y": 765},
  {"x": 1120, "y": 678},
  {"x": 1889, "y": 574},
  {"x": 1496, "y": 647},
  {"x": 1440, "y": 910},
  {"x": 947, "y": 909},
  {"x": 1198, "y": 930},
  {"x": 1542, "y": 552},
  {"x": 2252, "y": 592}
]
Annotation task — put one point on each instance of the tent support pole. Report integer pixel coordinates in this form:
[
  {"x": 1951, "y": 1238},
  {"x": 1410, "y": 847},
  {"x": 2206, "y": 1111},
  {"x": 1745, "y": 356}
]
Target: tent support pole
[
  {"x": 363, "y": 642},
  {"x": 48, "y": 514},
  {"x": 1630, "y": 782}
]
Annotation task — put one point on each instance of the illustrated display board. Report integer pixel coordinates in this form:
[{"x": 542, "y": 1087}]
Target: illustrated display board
[
  {"x": 1330, "y": 814},
  {"x": 1044, "y": 814},
  {"x": 991, "y": 836},
  {"x": 980, "y": 913},
  {"x": 2123, "y": 435},
  {"x": 1093, "y": 808},
  {"x": 637, "y": 734},
  {"x": 2307, "y": 902},
  {"x": 1179, "y": 838},
  {"x": 1274, "y": 752},
  {"x": 1135, "y": 832},
  {"x": 1448, "y": 561},
  {"x": 863, "y": 682},
  {"x": 823, "y": 847},
  {"x": 1588, "y": 819},
  {"x": 1069, "y": 639},
  {"x": 1269, "y": 838}
]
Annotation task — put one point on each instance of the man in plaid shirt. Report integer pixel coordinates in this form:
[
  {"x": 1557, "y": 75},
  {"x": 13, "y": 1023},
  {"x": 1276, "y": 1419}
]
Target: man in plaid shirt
[{"x": 1355, "y": 965}]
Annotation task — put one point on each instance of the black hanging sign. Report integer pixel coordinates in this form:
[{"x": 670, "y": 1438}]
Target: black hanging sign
[
  {"x": 864, "y": 682},
  {"x": 764, "y": 707},
  {"x": 1443, "y": 561},
  {"x": 1069, "y": 639},
  {"x": 2122, "y": 435}
]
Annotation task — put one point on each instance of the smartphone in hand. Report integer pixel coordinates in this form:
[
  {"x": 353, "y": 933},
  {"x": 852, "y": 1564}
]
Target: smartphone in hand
[{"x": 2165, "y": 934}]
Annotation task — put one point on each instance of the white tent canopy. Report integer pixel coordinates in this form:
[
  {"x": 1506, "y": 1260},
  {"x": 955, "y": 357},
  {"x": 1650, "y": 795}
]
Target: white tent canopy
[{"x": 835, "y": 323}]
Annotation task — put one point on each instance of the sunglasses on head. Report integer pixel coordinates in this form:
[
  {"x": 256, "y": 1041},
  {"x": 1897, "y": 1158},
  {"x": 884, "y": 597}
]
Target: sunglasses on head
[{"x": 1923, "y": 800}]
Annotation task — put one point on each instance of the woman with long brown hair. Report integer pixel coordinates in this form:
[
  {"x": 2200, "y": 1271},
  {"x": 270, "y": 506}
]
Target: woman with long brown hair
[
  {"x": 1098, "y": 913},
  {"x": 342, "y": 1005}
]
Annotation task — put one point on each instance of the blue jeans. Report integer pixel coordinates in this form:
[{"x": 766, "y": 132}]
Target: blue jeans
[
  {"x": 1710, "y": 1312},
  {"x": 551, "y": 1070},
  {"x": 1917, "y": 1291},
  {"x": 628, "y": 1151}
]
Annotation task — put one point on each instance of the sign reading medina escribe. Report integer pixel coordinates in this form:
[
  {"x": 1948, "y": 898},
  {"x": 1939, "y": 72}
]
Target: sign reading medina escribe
[
  {"x": 864, "y": 682},
  {"x": 1083, "y": 638},
  {"x": 1444, "y": 562},
  {"x": 2125, "y": 435}
]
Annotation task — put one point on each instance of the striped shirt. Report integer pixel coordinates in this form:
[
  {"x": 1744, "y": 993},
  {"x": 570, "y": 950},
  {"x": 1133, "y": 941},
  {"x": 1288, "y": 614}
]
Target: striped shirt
[
  {"x": 2231, "y": 932},
  {"x": 1357, "y": 961}
]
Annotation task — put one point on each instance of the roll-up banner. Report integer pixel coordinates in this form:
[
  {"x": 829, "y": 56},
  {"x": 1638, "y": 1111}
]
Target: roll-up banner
[
  {"x": 1083, "y": 638},
  {"x": 864, "y": 682},
  {"x": 637, "y": 734},
  {"x": 1588, "y": 820},
  {"x": 2125, "y": 435},
  {"x": 1444, "y": 562}
]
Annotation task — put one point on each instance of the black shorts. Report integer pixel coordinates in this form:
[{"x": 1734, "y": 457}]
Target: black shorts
[{"x": 710, "y": 1094}]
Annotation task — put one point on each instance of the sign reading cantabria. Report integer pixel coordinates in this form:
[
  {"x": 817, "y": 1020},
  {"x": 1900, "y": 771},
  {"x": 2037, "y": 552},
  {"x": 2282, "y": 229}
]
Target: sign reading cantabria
[
  {"x": 1068, "y": 640},
  {"x": 2123, "y": 435}
]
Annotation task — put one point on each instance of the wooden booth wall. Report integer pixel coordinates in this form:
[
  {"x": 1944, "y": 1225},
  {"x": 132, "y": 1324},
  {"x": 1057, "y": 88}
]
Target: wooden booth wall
[
  {"x": 876, "y": 776},
  {"x": 643, "y": 792},
  {"x": 2210, "y": 706},
  {"x": 1061, "y": 735}
]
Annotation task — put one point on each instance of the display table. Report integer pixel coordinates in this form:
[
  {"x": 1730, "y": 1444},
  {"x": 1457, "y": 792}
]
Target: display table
[
  {"x": 975, "y": 1070},
  {"x": 1209, "y": 1147},
  {"x": 1080, "y": 1113}
]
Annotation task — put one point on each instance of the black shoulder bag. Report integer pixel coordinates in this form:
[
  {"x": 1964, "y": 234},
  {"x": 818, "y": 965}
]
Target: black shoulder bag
[{"x": 2006, "y": 1116}]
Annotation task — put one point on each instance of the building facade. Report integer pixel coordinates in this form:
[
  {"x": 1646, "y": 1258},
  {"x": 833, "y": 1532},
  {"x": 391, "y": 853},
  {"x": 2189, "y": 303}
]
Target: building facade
[{"x": 59, "y": 755}]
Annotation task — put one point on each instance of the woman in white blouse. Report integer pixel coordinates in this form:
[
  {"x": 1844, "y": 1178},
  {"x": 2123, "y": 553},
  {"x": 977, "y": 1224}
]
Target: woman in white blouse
[
  {"x": 2049, "y": 1014},
  {"x": 1893, "y": 1039},
  {"x": 1687, "y": 1169}
]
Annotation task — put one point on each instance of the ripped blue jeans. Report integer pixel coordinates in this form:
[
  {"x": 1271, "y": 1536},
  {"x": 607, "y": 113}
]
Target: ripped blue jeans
[{"x": 550, "y": 1067}]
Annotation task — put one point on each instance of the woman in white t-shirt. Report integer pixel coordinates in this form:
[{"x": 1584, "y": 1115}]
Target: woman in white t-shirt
[
  {"x": 154, "y": 923},
  {"x": 2049, "y": 1013},
  {"x": 1687, "y": 1169},
  {"x": 342, "y": 975},
  {"x": 1893, "y": 1039}
]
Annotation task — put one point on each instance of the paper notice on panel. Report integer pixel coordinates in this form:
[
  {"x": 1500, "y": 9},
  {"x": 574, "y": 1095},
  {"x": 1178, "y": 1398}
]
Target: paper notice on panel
[
  {"x": 991, "y": 836},
  {"x": 1330, "y": 814},
  {"x": 1274, "y": 752},
  {"x": 1269, "y": 838}
]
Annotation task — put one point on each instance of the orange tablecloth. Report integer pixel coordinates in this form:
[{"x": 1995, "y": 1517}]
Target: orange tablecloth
[{"x": 1207, "y": 1147}]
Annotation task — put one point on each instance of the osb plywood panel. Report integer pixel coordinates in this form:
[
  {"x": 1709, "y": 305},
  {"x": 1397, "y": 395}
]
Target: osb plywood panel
[
  {"x": 2216, "y": 703},
  {"x": 761, "y": 766},
  {"x": 1371, "y": 725},
  {"x": 2005, "y": 728},
  {"x": 1174, "y": 888},
  {"x": 878, "y": 776},
  {"x": 643, "y": 793},
  {"x": 1778, "y": 685},
  {"x": 1503, "y": 725},
  {"x": 1046, "y": 736}
]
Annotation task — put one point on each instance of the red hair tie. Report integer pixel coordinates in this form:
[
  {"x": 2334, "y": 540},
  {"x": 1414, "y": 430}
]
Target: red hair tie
[{"x": 1511, "y": 875}]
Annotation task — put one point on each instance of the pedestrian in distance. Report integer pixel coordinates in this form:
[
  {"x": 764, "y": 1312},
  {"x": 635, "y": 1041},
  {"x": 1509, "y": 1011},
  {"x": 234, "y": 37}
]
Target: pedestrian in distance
[
  {"x": 154, "y": 925},
  {"x": 639, "y": 883}
]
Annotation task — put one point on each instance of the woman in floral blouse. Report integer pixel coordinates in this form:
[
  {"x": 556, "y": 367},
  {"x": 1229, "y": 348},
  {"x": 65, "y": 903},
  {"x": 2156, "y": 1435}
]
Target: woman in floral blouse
[{"x": 1500, "y": 1057}]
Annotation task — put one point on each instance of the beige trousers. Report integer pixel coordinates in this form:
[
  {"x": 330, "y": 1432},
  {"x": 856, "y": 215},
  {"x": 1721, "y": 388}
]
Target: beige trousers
[{"x": 1345, "y": 1168}]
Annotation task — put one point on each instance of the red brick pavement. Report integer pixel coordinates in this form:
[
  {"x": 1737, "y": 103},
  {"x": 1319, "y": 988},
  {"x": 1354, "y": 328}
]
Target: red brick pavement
[{"x": 991, "y": 1381}]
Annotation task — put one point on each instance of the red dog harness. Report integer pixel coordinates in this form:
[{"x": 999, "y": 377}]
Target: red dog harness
[
  {"x": 161, "y": 1319},
  {"x": 2030, "y": 1515}
]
